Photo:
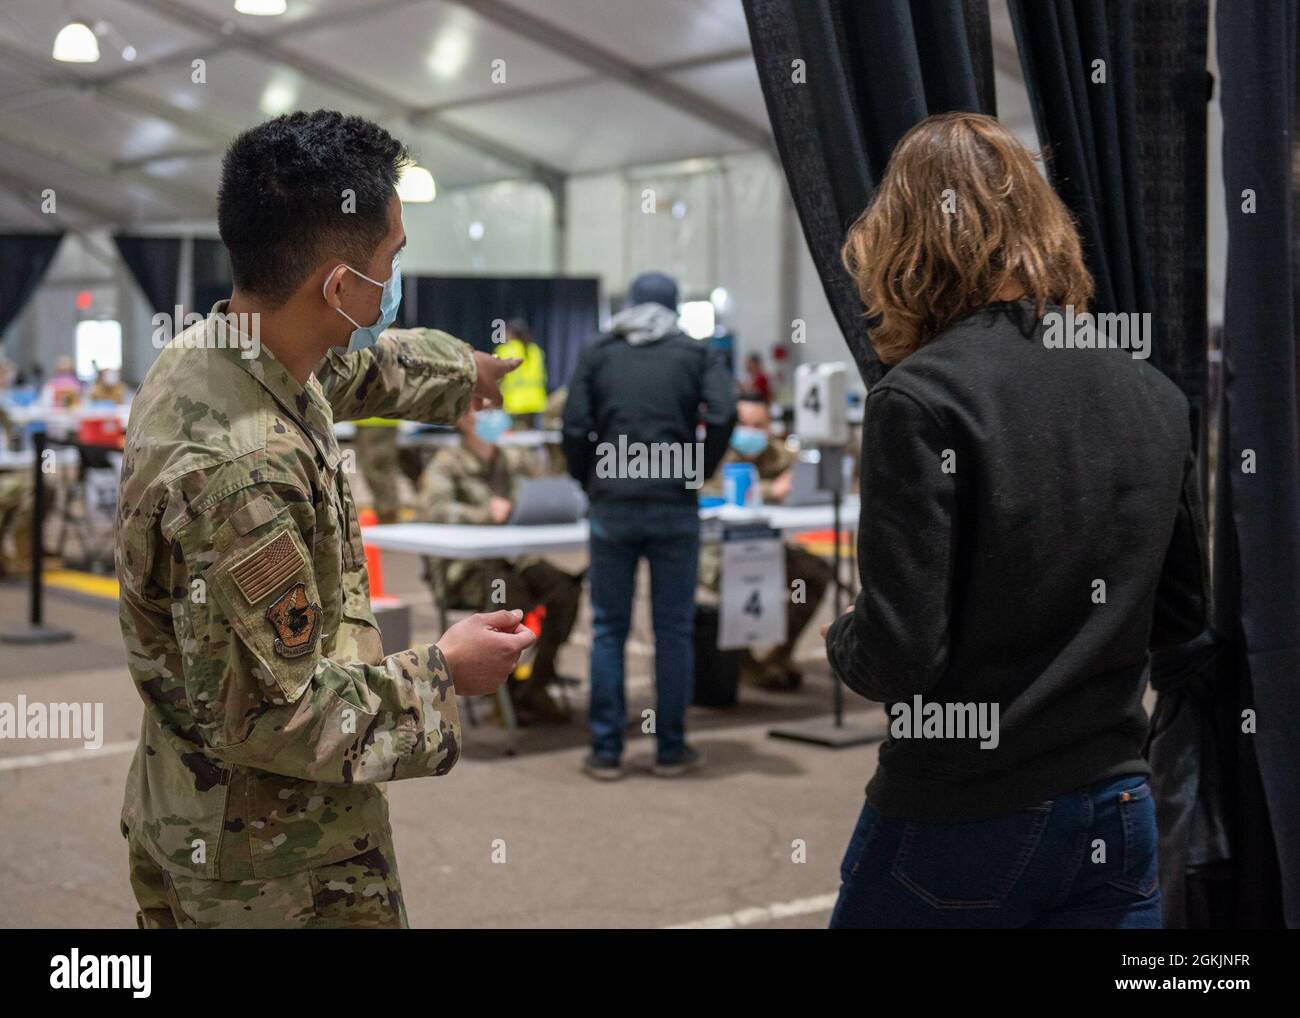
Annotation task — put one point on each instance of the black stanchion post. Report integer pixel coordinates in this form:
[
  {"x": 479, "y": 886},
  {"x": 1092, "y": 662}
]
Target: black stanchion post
[
  {"x": 831, "y": 732},
  {"x": 837, "y": 696},
  {"x": 36, "y": 631},
  {"x": 37, "y": 557}
]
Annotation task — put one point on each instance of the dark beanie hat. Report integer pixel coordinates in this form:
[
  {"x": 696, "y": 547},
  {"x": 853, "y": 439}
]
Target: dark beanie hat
[{"x": 653, "y": 288}]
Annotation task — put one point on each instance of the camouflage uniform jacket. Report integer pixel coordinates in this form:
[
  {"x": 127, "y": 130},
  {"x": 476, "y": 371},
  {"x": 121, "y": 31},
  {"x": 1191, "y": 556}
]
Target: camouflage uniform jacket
[
  {"x": 457, "y": 487},
  {"x": 271, "y": 714}
]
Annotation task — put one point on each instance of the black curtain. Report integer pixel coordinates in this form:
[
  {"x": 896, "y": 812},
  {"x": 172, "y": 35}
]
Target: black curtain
[
  {"x": 211, "y": 274},
  {"x": 843, "y": 81},
  {"x": 24, "y": 257},
  {"x": 563, "y": 313},
  {"x": 1257, "y": 519},
  {"x": 154, "y": 262},
  {"x": 1119, "y": 91}
]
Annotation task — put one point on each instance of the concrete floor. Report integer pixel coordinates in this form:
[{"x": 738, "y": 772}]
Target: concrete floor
[{"x": 714, "y": 848}]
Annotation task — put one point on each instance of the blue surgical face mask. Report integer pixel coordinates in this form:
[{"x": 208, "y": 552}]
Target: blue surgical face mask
[
  {"x": 748, "y": 442},
  {"x": 364, "y": 336},
  {"x": 490, "y": 425}
]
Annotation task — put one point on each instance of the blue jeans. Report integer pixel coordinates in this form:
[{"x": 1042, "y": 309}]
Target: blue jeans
[
  {"x": 1085, "y": 860},
  {"x": 666, "y": 534}
]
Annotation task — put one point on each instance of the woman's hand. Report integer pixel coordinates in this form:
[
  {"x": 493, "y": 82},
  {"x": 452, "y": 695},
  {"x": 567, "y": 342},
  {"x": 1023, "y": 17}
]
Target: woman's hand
[{"x": 827, "y": 628}]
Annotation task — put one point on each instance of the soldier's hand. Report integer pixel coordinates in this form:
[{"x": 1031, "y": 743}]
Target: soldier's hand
[
  {"x": 482, "y": 650},
  {"x": 500, "y": 508},
  {"x": 781, "y": 485},
  {"x": 487, "y": 388}
]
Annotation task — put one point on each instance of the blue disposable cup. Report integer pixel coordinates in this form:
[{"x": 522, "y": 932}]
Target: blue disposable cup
[{"x": 740, "y": 484}]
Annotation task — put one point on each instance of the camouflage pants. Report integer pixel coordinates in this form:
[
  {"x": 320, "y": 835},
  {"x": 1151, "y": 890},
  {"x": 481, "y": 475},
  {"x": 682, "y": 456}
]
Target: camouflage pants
[
  {"x": 817, "y": 574},
  {"x": 541, "y": 583},
  {"x": 524, "y": 585},
  {"x": 16, "y": 521},
  {"x": 358, "y": 893},
  {"x": 377, "y": 461}
]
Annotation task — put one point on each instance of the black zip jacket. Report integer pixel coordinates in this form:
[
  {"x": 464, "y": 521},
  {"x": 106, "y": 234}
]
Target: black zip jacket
[
  {"x": 652, "y": 394},
  {"x": 1062, "y": 541}
]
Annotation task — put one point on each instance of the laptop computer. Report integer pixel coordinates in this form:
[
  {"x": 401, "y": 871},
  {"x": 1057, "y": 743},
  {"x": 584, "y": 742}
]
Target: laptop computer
[
  {"x": 804, "y": 488},
  {"x": 544, "y": 500}
]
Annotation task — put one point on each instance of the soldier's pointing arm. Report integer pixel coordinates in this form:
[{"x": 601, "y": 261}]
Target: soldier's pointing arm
[
  {"x": 248, "y": 617},
  {"x": 410, "y": 374}
]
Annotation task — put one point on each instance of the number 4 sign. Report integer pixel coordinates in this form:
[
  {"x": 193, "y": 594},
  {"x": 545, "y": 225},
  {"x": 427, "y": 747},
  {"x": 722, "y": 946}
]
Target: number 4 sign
[
  {"x": 821, "y": 404},
  {"x": 754, "y": 593}
]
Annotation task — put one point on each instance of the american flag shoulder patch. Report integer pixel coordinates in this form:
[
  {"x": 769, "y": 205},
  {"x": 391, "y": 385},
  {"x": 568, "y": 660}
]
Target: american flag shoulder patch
[{"x": 268, "y": 568}]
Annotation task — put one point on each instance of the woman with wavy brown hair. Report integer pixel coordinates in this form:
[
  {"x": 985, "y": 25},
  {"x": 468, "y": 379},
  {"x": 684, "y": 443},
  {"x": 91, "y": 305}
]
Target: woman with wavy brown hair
[{"x": 1029, "y": 531}]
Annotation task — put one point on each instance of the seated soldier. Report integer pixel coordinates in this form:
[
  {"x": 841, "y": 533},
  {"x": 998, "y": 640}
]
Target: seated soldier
[
  {"x": 16, "y": 505},
  {"x": 751, "y": 443},
  {"x": 377, "y": 459},
  {"x": 108, "y": 387},
  {"x": 553, "y": 420},
  {"x": 476, "y": 482}
]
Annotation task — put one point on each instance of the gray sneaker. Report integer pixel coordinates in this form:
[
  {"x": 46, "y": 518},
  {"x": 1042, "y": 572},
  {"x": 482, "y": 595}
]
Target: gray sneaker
[
  {"x": 678, "y": 764},
  {"x": 602, "y": 768}
]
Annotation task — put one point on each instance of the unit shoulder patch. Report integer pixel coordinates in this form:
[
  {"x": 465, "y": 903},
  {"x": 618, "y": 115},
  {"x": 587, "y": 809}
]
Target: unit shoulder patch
[{"x": 296, "y": 622}]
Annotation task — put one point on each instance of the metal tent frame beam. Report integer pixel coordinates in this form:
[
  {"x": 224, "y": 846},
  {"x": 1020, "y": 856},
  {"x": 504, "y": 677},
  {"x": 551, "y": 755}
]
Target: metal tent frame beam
[{"x": 611, "y": 65}]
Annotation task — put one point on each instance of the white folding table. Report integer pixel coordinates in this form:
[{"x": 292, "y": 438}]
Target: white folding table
[{"x": 472, "y": 541}]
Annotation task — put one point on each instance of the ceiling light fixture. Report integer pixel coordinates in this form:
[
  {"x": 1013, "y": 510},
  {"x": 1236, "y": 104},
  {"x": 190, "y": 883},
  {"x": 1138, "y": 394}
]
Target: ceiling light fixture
[
  {"x": 76, "y": 44},
  {"x": 415, "y": 185},
  {"x": 279, "y": 96},
  {"x": 449, "y": 55},
  {"x": 261, "y": 8}
]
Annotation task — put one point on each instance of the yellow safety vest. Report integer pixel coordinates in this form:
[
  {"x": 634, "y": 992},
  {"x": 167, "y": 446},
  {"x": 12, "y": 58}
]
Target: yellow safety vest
[{"x": 523, "y": 391}]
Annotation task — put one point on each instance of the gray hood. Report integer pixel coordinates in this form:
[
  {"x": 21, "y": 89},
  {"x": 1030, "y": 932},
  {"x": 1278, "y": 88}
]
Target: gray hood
[{"x": 644, "y": 323}]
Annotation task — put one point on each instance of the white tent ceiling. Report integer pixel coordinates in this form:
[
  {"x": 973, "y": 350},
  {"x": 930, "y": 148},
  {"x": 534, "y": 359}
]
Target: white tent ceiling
[{"x": 589, "y": 85}]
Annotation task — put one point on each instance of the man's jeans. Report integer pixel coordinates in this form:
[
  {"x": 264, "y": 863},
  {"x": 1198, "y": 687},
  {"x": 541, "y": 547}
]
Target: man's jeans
[
  {"x": 1085, "y": 860},
  {"x": 667, "y": 534}
]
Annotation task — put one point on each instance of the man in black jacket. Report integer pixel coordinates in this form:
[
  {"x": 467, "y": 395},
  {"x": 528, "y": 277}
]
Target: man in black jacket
[{"x": 631, "y": 436}]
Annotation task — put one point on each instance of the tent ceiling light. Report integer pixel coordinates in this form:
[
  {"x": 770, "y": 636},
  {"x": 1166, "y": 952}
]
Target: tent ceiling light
[
  {"x": 261, "y": 8},
  {"x": 76, "y": 44},
  {"x": 415, "y": 185}
]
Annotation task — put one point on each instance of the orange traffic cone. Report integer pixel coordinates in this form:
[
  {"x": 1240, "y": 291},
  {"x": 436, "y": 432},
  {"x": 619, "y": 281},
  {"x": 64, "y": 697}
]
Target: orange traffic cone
[{"x": 374, "y": 557}]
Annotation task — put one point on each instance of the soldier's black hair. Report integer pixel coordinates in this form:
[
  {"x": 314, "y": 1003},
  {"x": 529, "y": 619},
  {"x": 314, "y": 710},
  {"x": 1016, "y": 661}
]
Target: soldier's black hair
[{"x": 302, "y": 188}]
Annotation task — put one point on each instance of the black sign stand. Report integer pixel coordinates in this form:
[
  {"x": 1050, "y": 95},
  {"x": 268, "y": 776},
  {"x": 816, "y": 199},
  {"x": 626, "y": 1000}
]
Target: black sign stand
[
  {"x": 36, "y": 631},
  {"x": 831, "y": 732}
]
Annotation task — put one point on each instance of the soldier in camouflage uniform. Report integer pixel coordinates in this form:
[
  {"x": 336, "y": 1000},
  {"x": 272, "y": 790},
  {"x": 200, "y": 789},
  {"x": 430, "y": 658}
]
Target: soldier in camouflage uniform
[
  {"x": 774, "y": 464},
  {"x": 477, "y": 481},
  {"x": 553, "y": 420},
  {"x": 16, "y": 506},
  {"x": 272, "y": 716},
  {"x": 377, "y": 455},
  {"x": 16, "y": 502}
]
